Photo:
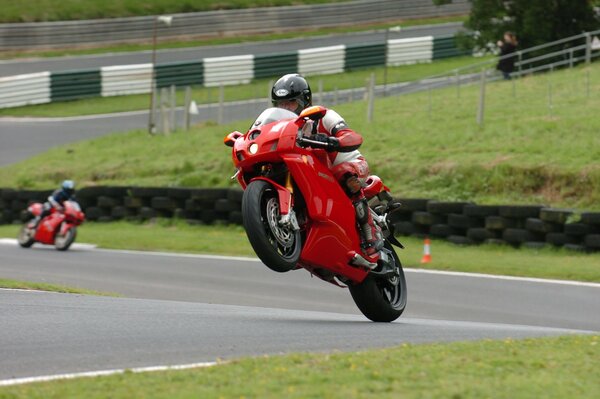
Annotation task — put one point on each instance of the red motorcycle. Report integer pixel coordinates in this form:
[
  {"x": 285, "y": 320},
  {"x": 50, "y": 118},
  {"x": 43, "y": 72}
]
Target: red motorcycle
[
  {"x": 296, "y": 215},
  {"x": 59, "y": 228}
]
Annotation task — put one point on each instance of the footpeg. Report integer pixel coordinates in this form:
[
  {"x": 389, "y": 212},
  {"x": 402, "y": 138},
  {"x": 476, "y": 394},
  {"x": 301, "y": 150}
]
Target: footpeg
[{"x": 358, "y": 260}]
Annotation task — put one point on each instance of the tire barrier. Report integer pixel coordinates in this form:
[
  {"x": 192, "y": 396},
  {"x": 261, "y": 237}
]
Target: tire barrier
[{"x": 462, "y": 223}]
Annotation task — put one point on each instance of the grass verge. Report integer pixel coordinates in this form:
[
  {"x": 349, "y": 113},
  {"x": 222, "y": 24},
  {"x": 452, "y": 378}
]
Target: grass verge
[
  {"x": 526, "y": 152},
  {"x": 26, "y": 285},
  {"x": 563, "y": 367},
  {"x": 259, "y": 88},
  {"x": 146, "y": 45},
  {"x": 178, "y": 236}
]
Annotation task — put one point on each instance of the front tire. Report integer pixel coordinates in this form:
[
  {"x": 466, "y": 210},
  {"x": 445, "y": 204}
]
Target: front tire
[
  {"x": 278, "y": 247},
  {"x": 62, "y": 243},
  {"x": 25, "y": 238},
  {"x": 381, "y": 299}
]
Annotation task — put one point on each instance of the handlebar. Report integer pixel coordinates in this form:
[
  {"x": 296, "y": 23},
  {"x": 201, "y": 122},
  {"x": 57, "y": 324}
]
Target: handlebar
[{"x": 304, "y": 142}]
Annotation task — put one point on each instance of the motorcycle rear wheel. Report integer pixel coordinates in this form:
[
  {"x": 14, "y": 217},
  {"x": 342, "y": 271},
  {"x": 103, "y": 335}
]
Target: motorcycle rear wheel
[
  {"x": 62, "y": 243},
  {"x": 278, "y": 247},
  {"x": 380, "y": 299},
  {"x": 25, "y": 238}
]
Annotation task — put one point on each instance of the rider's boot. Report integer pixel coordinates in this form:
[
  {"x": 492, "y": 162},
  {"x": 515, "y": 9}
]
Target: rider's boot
[{"x": 371, "y": 236}]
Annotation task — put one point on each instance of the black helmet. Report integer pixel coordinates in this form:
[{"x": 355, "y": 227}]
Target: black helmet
[{"x": 292, "y": 87}]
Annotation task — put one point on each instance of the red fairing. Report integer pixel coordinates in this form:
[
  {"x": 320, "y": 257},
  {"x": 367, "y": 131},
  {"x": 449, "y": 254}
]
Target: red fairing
[
  {"x": 328, "y": 221},
  {"x": 48, "y": 227}
]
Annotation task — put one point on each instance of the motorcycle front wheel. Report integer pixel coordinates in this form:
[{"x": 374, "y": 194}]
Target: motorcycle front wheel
[
  {"x": 277, "y": 246},
  {"x": 381, "y": 299},
  {"x": 63, "y": 242},
  {"x": 25, "y": 238}
]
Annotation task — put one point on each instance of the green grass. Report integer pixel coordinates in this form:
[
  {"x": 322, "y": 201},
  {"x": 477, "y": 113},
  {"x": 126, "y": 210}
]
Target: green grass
[
  {"x": 563, "y": 367},
  {"x": 61, "y": 10},
  {"x": 212, "y": 41},
  {"x": 522, "y": 155},
  {"x": 26, "y": 285},
  {"x": 257, "y": 89},
  {"x": 177, "y": 236}
]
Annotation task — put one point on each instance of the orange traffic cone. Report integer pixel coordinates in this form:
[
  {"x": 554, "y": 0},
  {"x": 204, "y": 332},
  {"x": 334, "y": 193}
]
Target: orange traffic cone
[{"x": 426, "y": 251}]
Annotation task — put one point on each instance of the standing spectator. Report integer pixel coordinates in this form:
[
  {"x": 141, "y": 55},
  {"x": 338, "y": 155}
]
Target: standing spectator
[{"x": 507, "y": 63}]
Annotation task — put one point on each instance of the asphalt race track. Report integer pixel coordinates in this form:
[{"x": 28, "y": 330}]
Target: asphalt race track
[{"x": 185, "y": 309}]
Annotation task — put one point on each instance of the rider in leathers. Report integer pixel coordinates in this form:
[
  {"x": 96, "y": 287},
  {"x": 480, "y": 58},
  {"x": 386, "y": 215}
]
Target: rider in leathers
[
  {"x": 56, "y": 200},
  {"x": 350, "y": 168}
]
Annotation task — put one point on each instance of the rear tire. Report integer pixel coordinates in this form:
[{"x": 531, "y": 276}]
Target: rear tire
[
  {"x": 278, "y": 247},
  {"x": 380, "y": 299},
  {"x": 62, "y": 243},
  {"x": 25, "y": 238}
]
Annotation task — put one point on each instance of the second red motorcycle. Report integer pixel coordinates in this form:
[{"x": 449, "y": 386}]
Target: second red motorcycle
[{"x": 58, "y": 229}]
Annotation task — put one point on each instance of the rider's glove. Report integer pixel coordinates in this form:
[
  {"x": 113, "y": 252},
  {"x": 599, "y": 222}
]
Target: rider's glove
[{"x": 332, "y": 143}]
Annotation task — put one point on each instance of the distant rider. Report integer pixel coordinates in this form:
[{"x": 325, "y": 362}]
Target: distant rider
[
  {"x": 350, "y": 168},
  {"x": 66, "y": 192}
]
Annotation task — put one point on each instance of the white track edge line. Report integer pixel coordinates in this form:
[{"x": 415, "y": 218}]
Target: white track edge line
[
  {"x": 70, "y": 376},
  {"x": 409, "y": 270}
]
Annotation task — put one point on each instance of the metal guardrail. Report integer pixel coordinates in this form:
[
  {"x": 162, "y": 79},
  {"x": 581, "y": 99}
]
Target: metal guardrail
[{"x": 29, "y": 36}]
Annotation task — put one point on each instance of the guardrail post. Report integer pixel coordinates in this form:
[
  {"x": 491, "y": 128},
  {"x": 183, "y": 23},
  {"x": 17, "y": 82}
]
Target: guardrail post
[
  {"x": 520, "y": 55},
  {"x": 186, "y": 110},
  {"x": 588, "y": 48},
  {"x": 481, "y": 109}
]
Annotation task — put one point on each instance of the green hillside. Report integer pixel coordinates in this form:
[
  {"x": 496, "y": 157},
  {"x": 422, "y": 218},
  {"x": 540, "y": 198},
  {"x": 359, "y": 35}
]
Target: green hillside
[{"x": 527, "y": 151}]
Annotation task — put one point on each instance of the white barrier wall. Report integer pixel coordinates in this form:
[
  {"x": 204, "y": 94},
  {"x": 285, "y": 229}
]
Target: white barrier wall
[
  {"x": 322, "y": 60},
  {"x": 126, "y": 79},
  {"x": 410, "y": 51},
  {"x": 28, "y": 89},
  {"x": 228, "y": 70}
]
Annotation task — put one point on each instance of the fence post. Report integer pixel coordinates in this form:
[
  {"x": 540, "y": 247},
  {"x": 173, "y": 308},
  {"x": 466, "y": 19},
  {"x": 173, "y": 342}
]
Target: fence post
[
  {"x": 173, "y": 110},
  {"x": 587, "y": 82},
  {"x": 588, "y": 48},
  {"x": 481, "y": 109},
  {"x": 163, "y": 111},
  {"x": 550, "y": 106},
  {"x": 186, "y": 110},
  {"x": 429, "y": 101},
  {"x": 220, "y": 119},
  {"x": 520, "y": 60},
  {"x": 269, "y": 100},
  {"x": 457, "y": 83},
  {"x": 320, "y": 91},
  {"x": 370, "y": 97},
  {"x": 571, "y": 59}
]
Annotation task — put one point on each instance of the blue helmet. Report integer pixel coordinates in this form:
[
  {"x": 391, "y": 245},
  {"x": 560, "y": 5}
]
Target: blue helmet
[{"x": 68, "y": 186}]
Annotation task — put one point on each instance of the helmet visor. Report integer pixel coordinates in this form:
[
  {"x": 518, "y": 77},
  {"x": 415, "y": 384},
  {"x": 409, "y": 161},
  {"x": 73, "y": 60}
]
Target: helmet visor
[{"x": 294, "y": 105}]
